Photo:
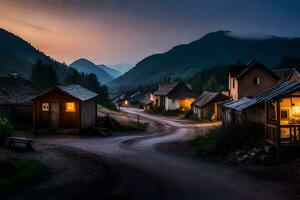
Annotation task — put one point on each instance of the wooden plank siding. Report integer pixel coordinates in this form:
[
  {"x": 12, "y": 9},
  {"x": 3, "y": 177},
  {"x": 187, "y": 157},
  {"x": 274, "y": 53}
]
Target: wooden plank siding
[{"x": 67, "y": 120}]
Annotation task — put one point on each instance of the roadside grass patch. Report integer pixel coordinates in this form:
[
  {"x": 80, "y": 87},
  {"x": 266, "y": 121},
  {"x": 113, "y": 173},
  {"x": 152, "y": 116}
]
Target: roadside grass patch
[
  {"x": 134, "y": 126},
  {"x": 209, "y": 142},
  {"x": 22, "y": 171},
  {"x": 27, "y": 171},
  {"x": 230, "y": 138}
]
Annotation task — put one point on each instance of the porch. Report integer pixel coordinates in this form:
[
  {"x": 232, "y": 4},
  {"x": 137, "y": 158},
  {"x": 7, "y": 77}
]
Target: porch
[{"x": 283, "y": 121}]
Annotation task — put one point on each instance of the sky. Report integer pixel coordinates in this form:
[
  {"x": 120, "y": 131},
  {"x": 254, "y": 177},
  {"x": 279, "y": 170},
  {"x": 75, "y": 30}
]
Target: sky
[{"x": 126, "y": 31}]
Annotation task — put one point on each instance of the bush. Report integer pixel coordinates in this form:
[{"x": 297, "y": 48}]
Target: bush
[
  {"x": 231, "y": 138},
  {"x": 5, "y": 129},
  {"x": 188, "y": 114},
  {"x": 208, "y": 142}
]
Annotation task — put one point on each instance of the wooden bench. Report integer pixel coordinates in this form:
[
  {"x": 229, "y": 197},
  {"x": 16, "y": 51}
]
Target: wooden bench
[{"x": 25, "y": 143}]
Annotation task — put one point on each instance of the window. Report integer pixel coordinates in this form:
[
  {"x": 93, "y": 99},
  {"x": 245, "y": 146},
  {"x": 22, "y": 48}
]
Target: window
[
  {"x": 284, "y": 114},
  {"x": 70, "y": 107},
  {"x": 233, "y": 83},
  {"x": 256, "y": 81},
  {"x": 45, "y": 106}
]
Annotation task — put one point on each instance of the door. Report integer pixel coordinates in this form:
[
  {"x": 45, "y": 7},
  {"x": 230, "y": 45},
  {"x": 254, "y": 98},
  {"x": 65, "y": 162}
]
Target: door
[{"x": 54, "y": 116}]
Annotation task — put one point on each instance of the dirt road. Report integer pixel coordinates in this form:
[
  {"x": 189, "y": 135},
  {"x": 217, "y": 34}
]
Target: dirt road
[{"x": 180, "y": 177}]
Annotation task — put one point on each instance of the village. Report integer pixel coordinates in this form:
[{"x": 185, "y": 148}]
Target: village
[
  {"x": 149, "y": 100},
  {"x": 260, "y": 105}
]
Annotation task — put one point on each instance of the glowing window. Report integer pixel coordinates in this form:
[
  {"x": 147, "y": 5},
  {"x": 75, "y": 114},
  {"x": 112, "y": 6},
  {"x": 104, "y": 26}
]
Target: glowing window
[
  {"x": 126, "y": 102},
  {"x": 45, "y": 106},
  {"x": 70, "y": 107}
]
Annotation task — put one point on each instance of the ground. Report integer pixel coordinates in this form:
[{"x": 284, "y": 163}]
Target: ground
[{"x": 153, "y": 165}]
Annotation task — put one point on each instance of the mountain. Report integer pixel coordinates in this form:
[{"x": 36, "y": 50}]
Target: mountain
[
  {"x": 17, "y": 55},
  {"x": 123, "y": 68},
  {"x": 216, "y": 48},
  {"x": 86, "y": 66},
  {"x": 113, "y": 72}
]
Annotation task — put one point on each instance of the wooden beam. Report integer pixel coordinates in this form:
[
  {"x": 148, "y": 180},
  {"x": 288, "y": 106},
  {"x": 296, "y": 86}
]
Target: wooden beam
[{"x": 278, "y": 121}]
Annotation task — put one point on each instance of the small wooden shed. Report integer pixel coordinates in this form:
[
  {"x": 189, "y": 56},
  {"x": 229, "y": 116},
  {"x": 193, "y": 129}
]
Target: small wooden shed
[{"x": 71, "y": 107}]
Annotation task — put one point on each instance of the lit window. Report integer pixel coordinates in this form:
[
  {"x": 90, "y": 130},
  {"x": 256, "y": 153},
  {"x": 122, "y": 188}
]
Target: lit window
[
  {"x": 70, "y": 107},
  {"x": 126, "y": 102},
  {"x": 45, "y": 106}
]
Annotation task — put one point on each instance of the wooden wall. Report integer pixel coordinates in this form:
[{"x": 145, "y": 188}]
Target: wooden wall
[
  {"x": 88, "y": 113},
  {"x": 67, "y": 120}
]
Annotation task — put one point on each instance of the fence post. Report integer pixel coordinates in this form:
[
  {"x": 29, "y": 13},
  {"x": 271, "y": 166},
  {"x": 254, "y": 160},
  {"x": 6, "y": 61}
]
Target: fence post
[{"x": 138, "y": 121}]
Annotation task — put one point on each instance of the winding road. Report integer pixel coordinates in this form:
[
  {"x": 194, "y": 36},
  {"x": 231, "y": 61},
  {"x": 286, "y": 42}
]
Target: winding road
[{"x": 182, "y": 176}]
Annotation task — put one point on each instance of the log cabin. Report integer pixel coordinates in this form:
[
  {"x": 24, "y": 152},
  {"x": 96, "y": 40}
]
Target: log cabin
[
  {"x": 174, "y": 96},
  {"x": 15, "y": 98},
  {"x": 206, "y": 106},
  {"x": 71, "y": 107}
]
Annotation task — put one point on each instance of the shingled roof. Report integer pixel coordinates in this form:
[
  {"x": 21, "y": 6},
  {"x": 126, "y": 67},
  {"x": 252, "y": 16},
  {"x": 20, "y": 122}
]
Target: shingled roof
[
  {"x": 275, "y": 92},
  {"x": 15, "y": 90},
  {"x": 175, "y": 90},
  {"x": 164, "y": 89},
  {"x": 205, "y": 98}
]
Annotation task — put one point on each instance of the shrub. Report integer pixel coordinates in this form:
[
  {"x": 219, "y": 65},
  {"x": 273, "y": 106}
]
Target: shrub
[
  {"x": 5, "y": 129},
  {"x": 208, "y": 142},
  {"x": 188, "y": 114},
  {"x": 231, "y": 138}
]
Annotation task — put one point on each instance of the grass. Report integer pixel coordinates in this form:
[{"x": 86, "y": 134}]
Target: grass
[
  {"x": 208, "y": 142},
  {"x": 27, "y": 171},
  {"x": 134, "y": 126}
]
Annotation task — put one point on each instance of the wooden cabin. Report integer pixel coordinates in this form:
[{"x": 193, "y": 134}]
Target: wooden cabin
[
  {"x": 15, "y": 98},
  {"x": 71, "y": 107},
  {"x": 174, "y": 96},
  {"x": 206, "y": 106},
  {"x": 122, "y": 101},
  {"x": 277, "y": 108},
  {"x": 249, "y": 80},
  {"x": 147, "y": 102}
]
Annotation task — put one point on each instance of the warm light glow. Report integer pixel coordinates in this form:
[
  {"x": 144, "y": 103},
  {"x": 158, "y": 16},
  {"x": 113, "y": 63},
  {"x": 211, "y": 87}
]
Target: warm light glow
[
  {"x": 126, "y": 102},
  {"x": 70, "y": 107},
  {"x": 185, "y": 104}
]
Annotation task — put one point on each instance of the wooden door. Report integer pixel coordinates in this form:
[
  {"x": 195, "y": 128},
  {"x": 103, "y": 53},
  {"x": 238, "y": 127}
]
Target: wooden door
[{"x": 54, "y": 116}]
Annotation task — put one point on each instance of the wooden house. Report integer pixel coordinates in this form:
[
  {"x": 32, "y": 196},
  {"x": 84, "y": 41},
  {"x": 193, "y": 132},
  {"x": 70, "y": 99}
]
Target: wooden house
[
  {"x": 174, "y": 96},
  {"x": 15, "y": 98},
  {"x": 122, "y": 101},
  {"x": 249, "y": 80},
  {"x": 206, "y": 106},
  {"x": 147, "y": 102},
  {"x": 71, "y": 107}
]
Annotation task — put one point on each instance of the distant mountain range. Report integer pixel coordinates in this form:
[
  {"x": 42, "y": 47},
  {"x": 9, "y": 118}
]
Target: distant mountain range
[
  {"x": 113, "y": 72},
  {"x": 18, "y": 56},
  {"x": 216, "y": 48},
  {"x": 86, "y": 66},
  {"x": 123, "y": 67}
]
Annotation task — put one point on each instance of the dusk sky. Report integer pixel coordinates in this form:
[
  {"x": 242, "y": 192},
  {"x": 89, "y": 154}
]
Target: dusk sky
[{"x": 125, "y": 31}]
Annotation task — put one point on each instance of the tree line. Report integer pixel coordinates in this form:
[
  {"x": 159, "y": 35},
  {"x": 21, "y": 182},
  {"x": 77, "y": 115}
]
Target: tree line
[{"x": 44, "y": 76}]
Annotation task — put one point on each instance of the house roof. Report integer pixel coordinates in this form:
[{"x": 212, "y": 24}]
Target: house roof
[
  {"x": 275, "y": 92},
  {"x": 206, "y": 97},
  {"x": 15, "y": 90},
  {"x": 238, "y": 71},
  {"x": 175, "y": 90},
  {"x": 286, "y": 74},
  {"x": 165, "y": 89},
  {"x": 78, "y": 92},
  {"x": 146, "y": 99}
]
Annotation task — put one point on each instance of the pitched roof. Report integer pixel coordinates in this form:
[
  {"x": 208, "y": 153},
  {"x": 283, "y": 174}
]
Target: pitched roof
[
  {"x": 286, "y": 74},
  {"x": 164, "y": 89},
  {"x": 238, "y": 71},
  {"x": 146, "y": 99},
  {"x": 15, "y": 90},
  {"x": 78, "y": 92},
  {"x": 207, "y": 97},
  {"x": 275, "y": 92}
]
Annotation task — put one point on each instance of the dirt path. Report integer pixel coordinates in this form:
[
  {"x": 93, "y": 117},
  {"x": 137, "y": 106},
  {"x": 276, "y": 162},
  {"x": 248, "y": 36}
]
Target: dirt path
[{"x": 145, "y": 167}]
